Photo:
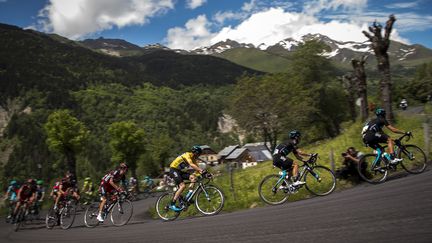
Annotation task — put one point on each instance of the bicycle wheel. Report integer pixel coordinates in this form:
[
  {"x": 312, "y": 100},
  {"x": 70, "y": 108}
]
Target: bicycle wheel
[
  {"x": 372, "y": 174},
  {"x": 19, "y": 218},
  {"x": 51, "y": 219},
  {"x": 90, "y": 216},
  {"x": 414, "y": 159},
  {"x": 321, "y": 181},
  {"x": 272, "y": 190},
  {"x": 121, "y": 213},
  {"x": 67, "y": 215},
  {"x": 209, "y": 201},
  {"x": 162, "y": 207}
]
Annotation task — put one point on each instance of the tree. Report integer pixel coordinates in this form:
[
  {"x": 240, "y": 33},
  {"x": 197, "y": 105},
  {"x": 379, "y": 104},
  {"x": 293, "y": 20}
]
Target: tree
[
  {"x": 348, "y": 81},
  {"x": 360, "y": 80},
  {"x": 127, "y": 143},
  {"x": 66, "y": 135},
  {"x": 380, "y": 47}
]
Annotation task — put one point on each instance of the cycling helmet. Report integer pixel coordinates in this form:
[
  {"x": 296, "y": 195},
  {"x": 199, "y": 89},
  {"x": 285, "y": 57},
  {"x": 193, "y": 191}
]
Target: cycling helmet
[
  {"x": 123, "y": 165},
  {"x": 380, "y": 112},
  {"x": 294, "y": 134},
  {"x": 12, "y": 182},
  {"x": 31, "y": 181},
  {"x": 87, "y": 179},
  {"x": 196, "y": 149},
  {"x": 39, "y": 182}
]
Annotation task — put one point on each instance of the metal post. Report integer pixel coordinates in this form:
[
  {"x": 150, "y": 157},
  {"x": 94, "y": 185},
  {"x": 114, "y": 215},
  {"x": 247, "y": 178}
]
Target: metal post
[
  {"x": 332, "y": 162},
  {"x": 426, "y": 139},
  {"x": 232, "y": 180}
]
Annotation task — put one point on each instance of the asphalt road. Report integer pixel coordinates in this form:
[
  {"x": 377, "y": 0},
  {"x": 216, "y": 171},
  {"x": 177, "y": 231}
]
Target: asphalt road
[{"x": 398, "y": 210}]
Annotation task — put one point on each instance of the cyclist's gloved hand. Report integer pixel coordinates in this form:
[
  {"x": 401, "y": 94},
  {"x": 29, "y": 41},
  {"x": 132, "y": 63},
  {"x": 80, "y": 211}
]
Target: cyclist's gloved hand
[{"x": 206, "y": 174}]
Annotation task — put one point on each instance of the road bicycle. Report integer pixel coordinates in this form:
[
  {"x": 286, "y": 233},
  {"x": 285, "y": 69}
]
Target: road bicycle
[
  {"x": 319, "y": 180},
  {"x": 118, "y": 206},
  {"x": 373, "y": 168},
  {"x": 208, "y": 199},
  {"x": 64, "y": 215}
]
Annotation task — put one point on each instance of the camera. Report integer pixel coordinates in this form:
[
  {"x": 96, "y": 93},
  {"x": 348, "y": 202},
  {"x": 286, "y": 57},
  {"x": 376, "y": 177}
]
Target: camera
[{"x": 344, "y": 154}]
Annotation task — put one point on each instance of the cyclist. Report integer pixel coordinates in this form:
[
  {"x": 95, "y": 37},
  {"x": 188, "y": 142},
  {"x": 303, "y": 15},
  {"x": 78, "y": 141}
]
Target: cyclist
[
  {"x": 373, "y": 134},
  {"x": 54, "y": 190},
  {"x": 40, "y": 195},
  {"x": 26, "y": 194},
  {"x": 281, "y": 159},
  {"x": 148, "y": 182},
  {"x": 178, "y": 173},
  {"x": 133, "y": 183},
  {"x": 11, "y": 196},
  {"x": 109, "y": 185},
  {"x": 87, "y": 189},
  {"x": 67, "y": 186}
]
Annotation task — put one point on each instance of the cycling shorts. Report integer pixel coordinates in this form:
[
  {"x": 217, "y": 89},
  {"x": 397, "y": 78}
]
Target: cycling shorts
[
  {"x": 178, "y": 175},
  {"x": 284, "y": 164},
  {"x": 373, "y": 140}
]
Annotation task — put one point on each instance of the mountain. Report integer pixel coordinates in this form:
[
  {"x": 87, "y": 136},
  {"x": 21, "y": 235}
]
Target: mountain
[
  {"x": 54, "y": 64},
  {"x": 270, "y": 58},
  {"x": 115, "y": 47}
]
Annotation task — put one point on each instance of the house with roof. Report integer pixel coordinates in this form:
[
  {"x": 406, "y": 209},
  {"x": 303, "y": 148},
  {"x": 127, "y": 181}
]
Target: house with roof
[
  {"x": 249, "y": 155},
  {"x": 209, "y": 155}
]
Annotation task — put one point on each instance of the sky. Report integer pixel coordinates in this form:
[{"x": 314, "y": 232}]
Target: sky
[{"x": 190, "y": 24}]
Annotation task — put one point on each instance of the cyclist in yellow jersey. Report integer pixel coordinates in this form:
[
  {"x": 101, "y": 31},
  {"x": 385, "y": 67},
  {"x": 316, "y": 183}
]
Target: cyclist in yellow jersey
[{"x": 178, "y": 173}]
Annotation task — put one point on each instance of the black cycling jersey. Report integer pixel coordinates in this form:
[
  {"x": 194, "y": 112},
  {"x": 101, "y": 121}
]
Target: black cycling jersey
[
  {"x": 376, "y": 125},
  {"x": 283, "y": 149}
]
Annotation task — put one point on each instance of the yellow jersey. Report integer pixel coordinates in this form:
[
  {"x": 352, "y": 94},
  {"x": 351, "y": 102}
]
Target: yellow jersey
[{"x": 183, "y": 161}]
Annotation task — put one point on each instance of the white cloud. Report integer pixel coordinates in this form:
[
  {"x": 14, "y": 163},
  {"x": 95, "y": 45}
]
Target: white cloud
[
  {"x": 403, "y": 5},
  {"x": 192, "y": 4},
  {"x": 272, "y": 25},
  {"x": 195, "y": 33},
  {"x": 314, "y": 7},
  {"x": 75, "y": 19}
]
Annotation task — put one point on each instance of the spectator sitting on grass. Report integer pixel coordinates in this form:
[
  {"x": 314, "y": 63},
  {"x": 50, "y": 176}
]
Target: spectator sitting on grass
[{"x": 351, "y": 159}]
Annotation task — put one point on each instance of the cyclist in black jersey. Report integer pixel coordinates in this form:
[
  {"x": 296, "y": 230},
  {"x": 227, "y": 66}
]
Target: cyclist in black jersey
[
  {"x": 373, "y": 134},
  {"x": 281, "y": 159}
]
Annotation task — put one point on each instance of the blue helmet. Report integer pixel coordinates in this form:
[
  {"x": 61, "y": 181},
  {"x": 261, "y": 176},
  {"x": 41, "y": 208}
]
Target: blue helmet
[
  {"x": 294, "y": 134},
  {"x": 196, "y": 149},
  {"x": 380, "y": 112},
  {"x": 13, "y": 183}
]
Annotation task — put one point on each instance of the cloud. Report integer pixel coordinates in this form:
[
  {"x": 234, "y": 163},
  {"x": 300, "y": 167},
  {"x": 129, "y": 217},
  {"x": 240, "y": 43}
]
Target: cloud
[
  {"x": 3, "y": 1},
  {"x": 314, "y": 7},
  {"x": 195, "y": 33},
  {"x": 192, "y": 4},
  {"x": 78, "y": 18},
  {"x": 402, "y": 5}
]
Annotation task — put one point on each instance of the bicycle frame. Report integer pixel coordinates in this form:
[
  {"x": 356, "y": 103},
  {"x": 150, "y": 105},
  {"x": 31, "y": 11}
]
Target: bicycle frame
[
  {"x": 304, "y": 168},
  {"x": 398, "y": 146}
]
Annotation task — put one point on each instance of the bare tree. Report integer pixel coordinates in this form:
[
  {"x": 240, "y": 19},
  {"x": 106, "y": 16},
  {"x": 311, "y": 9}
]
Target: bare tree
[
  {"x": 360, "y": 80},
  {"x": 380, "y": 46},
  {"x": 348, "y": 81}
]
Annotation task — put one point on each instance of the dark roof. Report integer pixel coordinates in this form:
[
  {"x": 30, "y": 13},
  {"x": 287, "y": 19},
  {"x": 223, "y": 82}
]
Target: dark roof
[
  {"x": 227, "y": 150},
  {"x": 258, "y": 151},
  {"x": 236, "y": 153}
]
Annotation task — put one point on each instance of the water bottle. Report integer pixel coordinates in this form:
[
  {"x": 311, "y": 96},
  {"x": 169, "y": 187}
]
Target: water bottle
[{"x": 188, "y": 195}]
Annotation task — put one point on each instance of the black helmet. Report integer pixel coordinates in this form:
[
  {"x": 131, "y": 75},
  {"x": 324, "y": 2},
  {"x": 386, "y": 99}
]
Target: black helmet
[
  {"x": 380, "y": 112},
  {"x": 196, "y": 149},
  {"x": 294, "y": 134}
]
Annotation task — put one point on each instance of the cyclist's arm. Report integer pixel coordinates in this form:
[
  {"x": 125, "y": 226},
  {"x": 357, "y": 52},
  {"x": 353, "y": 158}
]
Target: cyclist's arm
[
  {"x": 195, "y": 167},
  {"x": 111, "y": 181},
  {"x": 19, "y": 194},
  {"x": 60, "y": 190},
  {"x": 299, "y": 154},
  {"x": 394, "y": 129}
]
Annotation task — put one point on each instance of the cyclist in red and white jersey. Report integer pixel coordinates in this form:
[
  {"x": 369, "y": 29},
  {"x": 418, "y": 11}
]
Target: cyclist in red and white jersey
[{"x": 110, "y": 184}]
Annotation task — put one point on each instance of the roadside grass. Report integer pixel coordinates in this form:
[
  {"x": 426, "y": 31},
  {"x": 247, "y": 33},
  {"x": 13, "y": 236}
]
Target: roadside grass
[{"x": 244, "y": 193}]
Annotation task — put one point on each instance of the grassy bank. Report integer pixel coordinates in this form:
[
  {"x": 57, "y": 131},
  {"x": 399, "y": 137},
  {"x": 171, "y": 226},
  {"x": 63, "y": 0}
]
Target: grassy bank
[{"x": 245, "y": 192}]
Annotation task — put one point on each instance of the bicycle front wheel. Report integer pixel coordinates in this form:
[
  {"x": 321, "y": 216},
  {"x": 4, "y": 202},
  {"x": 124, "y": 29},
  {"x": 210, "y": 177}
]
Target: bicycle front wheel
[
  {"x": 209, "y": 201},
  {"x": 51, "y": 219},
  {"x": 121, "y": 213},
  {"x": 19, "y": 218},
  {"x": 273, "y": 190},
  {"x": 369, "y": 172},
  {"x": 414, "y": 159},
  {"x": 90, "y": 216},
  {"x": 320, "y": 181},
  {"x": 67, "y": 216},
  {"x": 162, "y": 207}
]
